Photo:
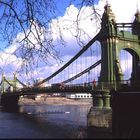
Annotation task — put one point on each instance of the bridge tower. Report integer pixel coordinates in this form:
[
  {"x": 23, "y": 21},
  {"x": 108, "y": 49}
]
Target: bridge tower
[
  {"x": 113, "y": 40},
  {"x": 8, "y": 83},
  {"x": 109, "y": 57}
]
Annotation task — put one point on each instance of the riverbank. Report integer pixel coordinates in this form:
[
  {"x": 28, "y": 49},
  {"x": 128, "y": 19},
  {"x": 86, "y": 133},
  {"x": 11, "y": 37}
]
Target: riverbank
[{"x": 55, "y": 100}]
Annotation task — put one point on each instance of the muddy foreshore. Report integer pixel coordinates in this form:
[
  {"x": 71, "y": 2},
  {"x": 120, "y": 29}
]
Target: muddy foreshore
[{"x": 54, "y": 100}]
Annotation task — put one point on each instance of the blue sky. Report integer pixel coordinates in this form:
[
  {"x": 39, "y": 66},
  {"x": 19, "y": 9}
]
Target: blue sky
[
  {"x": 123, "y": 13},
  {"x": 63, "y": 4}
]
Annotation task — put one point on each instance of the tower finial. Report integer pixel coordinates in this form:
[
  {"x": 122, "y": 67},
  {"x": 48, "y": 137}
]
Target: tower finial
[
  {"x": 106, "y": 2},
  {"x": 137, "y": 14},
  {"x": 137, "y": 8}
]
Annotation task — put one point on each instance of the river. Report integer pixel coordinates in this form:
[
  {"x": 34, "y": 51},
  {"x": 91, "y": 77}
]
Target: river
[{"x": 45, "y": 121}]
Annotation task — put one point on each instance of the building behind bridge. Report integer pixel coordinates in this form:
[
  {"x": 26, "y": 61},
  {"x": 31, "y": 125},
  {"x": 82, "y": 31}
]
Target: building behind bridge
[{"x": 78, "y": 96}]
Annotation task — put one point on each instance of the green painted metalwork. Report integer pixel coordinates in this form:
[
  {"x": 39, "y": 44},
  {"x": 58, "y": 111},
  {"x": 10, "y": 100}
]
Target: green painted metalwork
[
  {"x": 113, "y": 40},
  {"x": 8, "y": 84},
  {"x": 101, "y": 99},
  {"x": 97, "y": 100},
  {"x": 106, "y": 99}
]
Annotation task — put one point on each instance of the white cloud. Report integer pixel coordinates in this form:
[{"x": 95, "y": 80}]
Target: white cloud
[
  {"x": 9, "y": 61},
  {"x": 124, "y": 11},
  {"x": 70, "y": 28}
]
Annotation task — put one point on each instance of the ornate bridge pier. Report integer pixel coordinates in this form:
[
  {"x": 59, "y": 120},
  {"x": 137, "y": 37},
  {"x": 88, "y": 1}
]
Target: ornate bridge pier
[{"x": 99, "y": 118}]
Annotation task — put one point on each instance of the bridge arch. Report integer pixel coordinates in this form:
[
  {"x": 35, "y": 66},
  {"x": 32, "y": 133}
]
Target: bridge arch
[
  {"x": 130, "y": 43},
  {"x": 129, "y": 61},
  {"x": 135, "y": 76}
]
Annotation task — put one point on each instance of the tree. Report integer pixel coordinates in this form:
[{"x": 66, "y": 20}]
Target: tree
[{"x": 26, "y": 23}]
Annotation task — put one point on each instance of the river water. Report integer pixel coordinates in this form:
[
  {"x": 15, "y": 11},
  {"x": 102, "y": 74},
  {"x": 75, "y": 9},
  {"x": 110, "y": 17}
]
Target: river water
[{"x": 45, "y": 121}]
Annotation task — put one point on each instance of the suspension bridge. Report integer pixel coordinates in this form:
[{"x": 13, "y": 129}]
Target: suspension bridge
[{"x": 99, "y": 59}]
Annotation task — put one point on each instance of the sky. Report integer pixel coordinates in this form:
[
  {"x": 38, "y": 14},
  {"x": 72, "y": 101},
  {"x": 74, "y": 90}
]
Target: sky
[{"x": 124, "y": 11}]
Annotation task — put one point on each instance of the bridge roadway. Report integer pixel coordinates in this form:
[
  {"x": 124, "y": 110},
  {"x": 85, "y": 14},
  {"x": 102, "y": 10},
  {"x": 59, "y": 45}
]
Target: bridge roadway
[
  {"x": 72, "y": 88},
  {"x": 100, "y": 93},
  {"x": 9, "y": 99},
  {"x": 51, "y": 89}
]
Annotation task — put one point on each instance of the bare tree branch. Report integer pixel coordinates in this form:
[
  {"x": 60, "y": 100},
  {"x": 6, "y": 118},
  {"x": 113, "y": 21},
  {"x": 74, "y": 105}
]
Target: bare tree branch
[{"x": 26, "y": 23}]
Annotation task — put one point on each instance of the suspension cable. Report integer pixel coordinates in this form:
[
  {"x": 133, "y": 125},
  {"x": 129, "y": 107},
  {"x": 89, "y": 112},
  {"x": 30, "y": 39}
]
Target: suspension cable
[
  {"x": 72, "y": 60},
  {"x": 83, "y": 72}
]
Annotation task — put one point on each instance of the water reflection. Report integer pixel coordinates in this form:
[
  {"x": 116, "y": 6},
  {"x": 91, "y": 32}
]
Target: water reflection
[
  {"x": 44, "y": 121},
  {"x": 71, "y": 114},
  {"x": 15, "y": 109}
]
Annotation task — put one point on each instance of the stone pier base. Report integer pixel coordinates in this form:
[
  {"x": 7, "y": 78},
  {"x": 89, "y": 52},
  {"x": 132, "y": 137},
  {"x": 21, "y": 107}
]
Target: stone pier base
[
  {"x": 9, "y": 102},
  {"x": 99, "y": 123}
]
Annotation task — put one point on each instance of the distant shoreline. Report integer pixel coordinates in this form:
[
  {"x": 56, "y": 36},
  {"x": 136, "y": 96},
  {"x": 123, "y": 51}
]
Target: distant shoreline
[{"x": 54, "y": 101}]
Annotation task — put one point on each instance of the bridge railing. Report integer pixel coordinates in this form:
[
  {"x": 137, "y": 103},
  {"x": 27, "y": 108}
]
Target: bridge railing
[
  {"x": 98, "y": 86},
  {"x": 109, "y": 85}
]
